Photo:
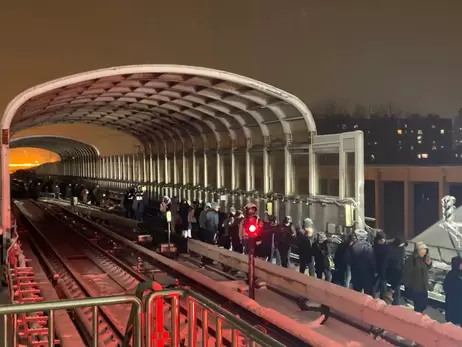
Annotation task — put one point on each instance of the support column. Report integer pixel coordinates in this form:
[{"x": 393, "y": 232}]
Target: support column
[
  {"x": 409, "y": 231},
  {"x": 313, "y": 170},
  {"x": 166, "y": 173},
  {"x": 175, "y": 170},
  {"x": 233, "y": 165},
  {"x": 194, "y": 167},
  {"x": 288, "y": 169},
  {"x": 151, "y": 168},
  {"x": 267, "y": 166},
  {"x": 205, "y": 164},
  {"x": 378, "y": 197},
  {"x": 185, "y": 176},
  {"x": 443, "y": 190},
  {"x": 219, "y": 167},
  {"x": 249, "y": 173},
  {"x": 158, "y": 176}
]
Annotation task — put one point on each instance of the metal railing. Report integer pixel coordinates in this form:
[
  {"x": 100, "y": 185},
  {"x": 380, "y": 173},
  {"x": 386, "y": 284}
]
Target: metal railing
[
  {"x": 206, "y": 323},
  {"x": 10, "y": 312}
]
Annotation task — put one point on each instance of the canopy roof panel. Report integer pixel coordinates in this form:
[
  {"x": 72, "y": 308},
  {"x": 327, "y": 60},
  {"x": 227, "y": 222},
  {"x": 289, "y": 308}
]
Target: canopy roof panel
[
  {"x": 63, "y": 146},
  {"x": 164, "y": 105}
]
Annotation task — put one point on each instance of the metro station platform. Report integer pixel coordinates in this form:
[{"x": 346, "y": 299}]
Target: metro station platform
[{"x": 203, "y": 135}]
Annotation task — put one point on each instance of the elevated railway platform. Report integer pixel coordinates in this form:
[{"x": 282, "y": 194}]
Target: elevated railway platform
[{"x": 84, "y": 275}]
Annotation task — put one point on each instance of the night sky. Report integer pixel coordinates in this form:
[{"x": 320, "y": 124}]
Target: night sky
[{"x": 405, "y": 52}]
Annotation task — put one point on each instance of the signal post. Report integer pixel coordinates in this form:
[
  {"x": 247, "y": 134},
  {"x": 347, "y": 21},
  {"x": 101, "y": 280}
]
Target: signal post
[{"x": 252, "y": 228}]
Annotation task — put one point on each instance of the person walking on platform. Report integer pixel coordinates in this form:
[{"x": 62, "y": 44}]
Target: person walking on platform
[
  {"x": 415, "y": 276},
  {"x": 267, "y": 239},
  {"x": 284, "y": 238},
  {"x": 138, "y": 204},
  {"x": 323, "y": 261},
  {"x": 361, "y": 259},
  {"x": 381, "y": 253},
  {"x": 225, "y": 238},
  {"x": 342, "y": 272},
  {"x": 452, "y": 286},
  {"x": 202, "y": 226},
  {"x": 395, "y": 266},
  {"x": 305, "y": 241},
  {"x": 184, "y": 214},
  {"x": 129, "y": 196},
  {"x": 234, "y": 230},
  {"x": 212, "y": 223},
  {"x": 175, "y": 215}
]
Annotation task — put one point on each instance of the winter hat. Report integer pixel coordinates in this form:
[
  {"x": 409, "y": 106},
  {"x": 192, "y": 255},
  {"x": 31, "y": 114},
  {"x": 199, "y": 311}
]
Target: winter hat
[
  {"x": 322, "y": 237},
  {"x": 287, "y": 219},
  {"x": 361, "y": 234},
  {"x": 420, "y": 245},
  {"x": 232, "y": 210},
  {"x": 308, "y": 223},
  {"x": 208, "y": 205},
  {"x": 214, "y": 205}
]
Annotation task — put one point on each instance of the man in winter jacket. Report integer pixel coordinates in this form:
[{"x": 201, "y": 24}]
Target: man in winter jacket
[
  {"x": 323, "y": 262},
  {"x": 452, "y": 286},
  {"x": 381, "y": 260},
  {"x": 305, "y": 241},
  {"x": 360, "y": 257},
  {"x": 283, "y": 238},
  {"x": 395, "y": 266},
  {"x": 202, "y": 226},
  {"x": 212, "y": 223},
  {"x": 415, "y": 276}
]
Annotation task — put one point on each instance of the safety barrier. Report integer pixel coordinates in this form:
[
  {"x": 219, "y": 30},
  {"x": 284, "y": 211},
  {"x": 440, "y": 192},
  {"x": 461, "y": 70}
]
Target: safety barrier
[
  {"x": 395, "y": 319},
  {"x": 206, "y": 322},
  {"x": 10, "y": 312}
]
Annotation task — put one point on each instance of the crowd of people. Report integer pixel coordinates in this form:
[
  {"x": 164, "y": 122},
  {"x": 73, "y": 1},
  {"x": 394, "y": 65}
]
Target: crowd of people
[{"x": 361, "y": 261}]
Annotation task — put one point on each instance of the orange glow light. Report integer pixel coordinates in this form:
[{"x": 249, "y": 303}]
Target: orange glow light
[{"x": 24, "y": 158}]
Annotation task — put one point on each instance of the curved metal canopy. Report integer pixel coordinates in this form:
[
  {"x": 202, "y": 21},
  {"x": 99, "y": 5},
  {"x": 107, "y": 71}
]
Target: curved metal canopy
[
  {"x": 169, "y": 106},
  {"x": 63, "y": 146}
]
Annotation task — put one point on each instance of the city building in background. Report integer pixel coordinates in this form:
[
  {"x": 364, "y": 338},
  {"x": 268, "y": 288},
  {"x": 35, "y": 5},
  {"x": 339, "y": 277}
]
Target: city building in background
[{"x": 389, "y": 140}]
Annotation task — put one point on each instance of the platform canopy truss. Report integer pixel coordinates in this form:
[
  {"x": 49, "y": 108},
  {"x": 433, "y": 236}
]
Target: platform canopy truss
[
  {"x": 65, "y": 147},
  {"x": 198, "y": 127}
]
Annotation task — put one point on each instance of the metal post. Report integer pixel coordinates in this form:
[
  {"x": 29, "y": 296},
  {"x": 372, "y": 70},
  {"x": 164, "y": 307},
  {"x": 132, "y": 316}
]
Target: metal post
[{"x": 252, "y": 244}]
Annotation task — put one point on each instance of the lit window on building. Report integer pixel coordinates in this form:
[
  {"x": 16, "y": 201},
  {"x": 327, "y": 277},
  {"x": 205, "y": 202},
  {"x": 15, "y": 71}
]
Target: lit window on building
[
  {"x": 419, "y": 137},
  {"x": 424, "y": 155},
  {"x": 433, "y": 126},
  {"x": 420, "y": 132},
  {"x": 442, "y": 131},
  {"x": 433, "y": 148},
  {"x": 457, "y": 155},
  {"x": 412, "y": 148},
  {"x": 400, "y": 132},
  {"x": 419, "y": 156},
  {"x": 356, "y": 126}
]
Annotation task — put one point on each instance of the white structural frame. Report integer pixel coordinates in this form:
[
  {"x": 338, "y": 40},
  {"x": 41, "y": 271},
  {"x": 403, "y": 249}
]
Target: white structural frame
[{"x": 107, "y": 166}]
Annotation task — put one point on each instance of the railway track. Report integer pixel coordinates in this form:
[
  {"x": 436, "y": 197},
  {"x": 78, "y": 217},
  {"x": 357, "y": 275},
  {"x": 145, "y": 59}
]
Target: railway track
[{"x": 88, "y": 263}]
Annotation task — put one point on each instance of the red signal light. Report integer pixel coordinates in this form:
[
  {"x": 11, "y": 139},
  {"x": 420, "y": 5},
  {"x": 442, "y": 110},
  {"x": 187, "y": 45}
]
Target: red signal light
[{"x": 252, "y": 226}]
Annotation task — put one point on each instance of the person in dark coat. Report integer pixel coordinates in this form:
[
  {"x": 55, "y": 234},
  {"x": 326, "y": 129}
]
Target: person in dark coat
[
  {"x": 184, "y": 213},
  {"x": 342, "y": 273},
  {"x": 283, "y": 239},
  {"x": 395, "y": 266},
  {"x": 415, "y": 276},
  {"x": 202, "y": 226},
  {"x": 234, "y": 230},
  {"x": 225, "y": 237},
  {"x": 264, "y": 249},
  {"x": 361, "y": 258},
  {"x": 452, "y": 286},
  {"x": 323, "y": 262},
  {"x": 212, "y": 223},
  {"x": 381, "y": 260},
  {"x": 305, "y": 240}
]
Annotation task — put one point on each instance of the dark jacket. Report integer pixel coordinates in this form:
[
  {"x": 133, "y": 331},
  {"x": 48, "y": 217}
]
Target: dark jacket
[
  {"x": 322, "y": 256},
  {"x": 212, "y": 221},
  {"x": 305, "y": 245},
  {"x": 284, "y": 236},
  {"x": 361, "y": 258},
  {"x": 395, "y": 263},
  {"x": 202, "y": 218},
  {"x": 381, "y": 259},
  {"x": 452, "y": 286},
  {"x": 415, "y": 273}
]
